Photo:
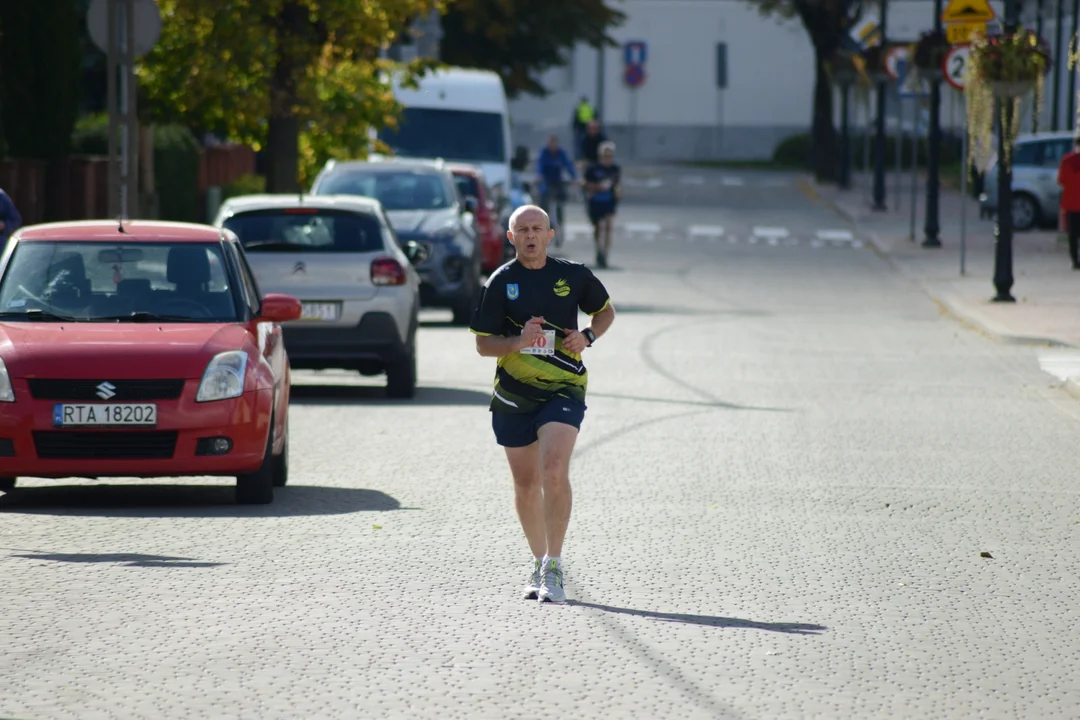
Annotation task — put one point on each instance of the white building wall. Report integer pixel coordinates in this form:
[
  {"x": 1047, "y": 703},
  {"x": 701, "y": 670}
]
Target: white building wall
[{"x": 681, "y": 115}]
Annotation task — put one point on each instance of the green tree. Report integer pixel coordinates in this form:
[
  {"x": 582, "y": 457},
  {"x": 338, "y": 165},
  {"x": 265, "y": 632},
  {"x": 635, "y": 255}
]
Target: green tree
[
  {"x": 302, "y": 78},
  {"x": 520, "y": 40},
  {"x": 826, "y": 23},
  {"x": 40, "y": 65}
]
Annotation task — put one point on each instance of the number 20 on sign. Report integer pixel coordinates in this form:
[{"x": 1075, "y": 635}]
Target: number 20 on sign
[{"x": 955, "y": 64}]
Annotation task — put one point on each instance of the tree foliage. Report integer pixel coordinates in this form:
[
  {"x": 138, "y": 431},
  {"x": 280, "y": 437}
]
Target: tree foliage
[
  {"x": 301, "y": 78},
  {"x": 826, "y": 23},
  {"x": 39, "y": 77},
  {"x": 520, "y": 39}
]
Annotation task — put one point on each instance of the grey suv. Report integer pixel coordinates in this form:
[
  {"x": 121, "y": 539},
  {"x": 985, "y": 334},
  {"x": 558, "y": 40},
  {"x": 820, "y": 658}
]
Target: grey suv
[{"x": 423, "y": 203}]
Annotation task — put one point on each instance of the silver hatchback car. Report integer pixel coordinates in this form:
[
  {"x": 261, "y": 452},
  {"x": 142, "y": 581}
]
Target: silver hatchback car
[
  {"x": 340, "y": 257},
  {"x": 1036, "y": 194}
]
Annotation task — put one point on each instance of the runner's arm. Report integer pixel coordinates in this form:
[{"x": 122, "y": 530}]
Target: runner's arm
[
  {"x": 602, "y": 320},
  {"x": 498, "y": 345}
]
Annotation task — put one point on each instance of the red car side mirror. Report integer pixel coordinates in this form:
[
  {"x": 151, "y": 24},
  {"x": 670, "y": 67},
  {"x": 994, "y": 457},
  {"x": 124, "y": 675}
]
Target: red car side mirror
[{"x": 280, "y": 308}]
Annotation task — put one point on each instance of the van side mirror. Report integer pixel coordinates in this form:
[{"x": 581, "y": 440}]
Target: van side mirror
[{"x": 471, "y": 203}]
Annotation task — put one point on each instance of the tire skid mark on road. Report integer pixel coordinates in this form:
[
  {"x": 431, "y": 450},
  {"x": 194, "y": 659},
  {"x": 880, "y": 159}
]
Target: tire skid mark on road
[{"x": 633, "y": 427}]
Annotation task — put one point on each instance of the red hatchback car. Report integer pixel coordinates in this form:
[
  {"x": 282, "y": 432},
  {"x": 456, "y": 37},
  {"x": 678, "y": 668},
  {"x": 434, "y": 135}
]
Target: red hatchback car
[
  {"x": 142, "y": 349},
  {"x": 470, "y": 182}
]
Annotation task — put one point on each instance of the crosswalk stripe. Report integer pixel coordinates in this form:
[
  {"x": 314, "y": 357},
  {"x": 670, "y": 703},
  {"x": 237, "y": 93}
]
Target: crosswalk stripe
[
  {"x": 838, "y": 235},
  {"x": 766, "y": 232},
  {"x": 710, "y": 231}
]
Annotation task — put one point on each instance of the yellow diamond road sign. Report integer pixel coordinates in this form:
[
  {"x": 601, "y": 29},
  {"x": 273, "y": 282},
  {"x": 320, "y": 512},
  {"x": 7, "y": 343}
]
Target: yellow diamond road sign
[
  {"x": 968, "y": 11},
  {"x": 963, "y": 33}
]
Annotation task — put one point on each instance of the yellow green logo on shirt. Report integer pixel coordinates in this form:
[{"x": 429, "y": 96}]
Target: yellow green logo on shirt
[{"x": 562, "y": 288}]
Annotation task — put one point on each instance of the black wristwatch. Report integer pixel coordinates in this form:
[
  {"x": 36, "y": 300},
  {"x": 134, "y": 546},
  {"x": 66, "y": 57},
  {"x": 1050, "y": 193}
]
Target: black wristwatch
[{"x": 589, "y": 335}]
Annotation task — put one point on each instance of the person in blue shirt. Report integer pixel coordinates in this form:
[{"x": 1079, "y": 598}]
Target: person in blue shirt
[
  {"x": 10, "y": 219},
  {"x": 551, "y": 163},
  {"x": 603, "y": 188}
]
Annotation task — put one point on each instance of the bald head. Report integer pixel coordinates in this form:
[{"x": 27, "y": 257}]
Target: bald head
[{"x": 527, "y": 215}]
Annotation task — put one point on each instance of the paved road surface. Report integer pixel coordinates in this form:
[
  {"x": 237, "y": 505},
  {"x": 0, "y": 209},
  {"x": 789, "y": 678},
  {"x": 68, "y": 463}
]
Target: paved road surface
[{"x": 789, "y": 469}]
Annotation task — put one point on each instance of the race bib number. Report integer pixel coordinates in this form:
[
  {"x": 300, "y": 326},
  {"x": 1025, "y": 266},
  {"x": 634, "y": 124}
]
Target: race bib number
[{"x": 544, "y": 344}]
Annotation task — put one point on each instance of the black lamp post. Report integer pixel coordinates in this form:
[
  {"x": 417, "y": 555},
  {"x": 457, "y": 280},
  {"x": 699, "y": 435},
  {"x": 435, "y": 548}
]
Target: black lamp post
[
  {"x": 881, "y": 80},
  {"x": 1003, "y": 230},
  {"x": 933, "y": 169},
  {"x": 844, "y": 74}
]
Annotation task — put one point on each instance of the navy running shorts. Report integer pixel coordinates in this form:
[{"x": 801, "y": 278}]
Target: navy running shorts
[
  {"x": 598, "y": 210},
  {"x": 519, "y": 429}
]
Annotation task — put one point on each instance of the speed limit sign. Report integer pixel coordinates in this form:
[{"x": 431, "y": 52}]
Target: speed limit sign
[{"x": 955, "y": 65}]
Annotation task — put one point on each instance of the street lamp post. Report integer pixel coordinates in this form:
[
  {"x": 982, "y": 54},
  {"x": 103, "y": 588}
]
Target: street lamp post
[
  {"x": 933, "y": 170},
  {"x": 1003, "y": 231},
  {"x": 845, "y": 77},
  {"x": 879, "y": 140}
]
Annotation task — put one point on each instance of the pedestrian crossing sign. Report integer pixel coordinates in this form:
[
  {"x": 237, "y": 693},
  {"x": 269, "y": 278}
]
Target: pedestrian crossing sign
[{"x": 968, "y": 11}]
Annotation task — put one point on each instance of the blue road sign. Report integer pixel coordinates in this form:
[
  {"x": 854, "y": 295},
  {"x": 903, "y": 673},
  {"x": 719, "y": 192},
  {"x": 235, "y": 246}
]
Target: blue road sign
[
  {"x": 635, "y": 52},
  {"x": 634, "y": 75},
  {"x": 903, "y": 82}
]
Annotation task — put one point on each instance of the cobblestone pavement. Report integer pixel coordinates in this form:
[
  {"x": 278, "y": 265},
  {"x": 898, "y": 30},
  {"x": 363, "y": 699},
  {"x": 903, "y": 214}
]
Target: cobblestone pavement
[{"x": 791, "y": 466}]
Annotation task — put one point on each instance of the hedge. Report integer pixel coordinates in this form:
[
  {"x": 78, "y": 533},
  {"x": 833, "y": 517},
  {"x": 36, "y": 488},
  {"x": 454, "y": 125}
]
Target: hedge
[{"x": 176, "y": 164}]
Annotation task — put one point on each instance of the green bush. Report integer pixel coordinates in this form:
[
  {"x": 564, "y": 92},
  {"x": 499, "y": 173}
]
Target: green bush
[
  {"x": 91, "y": 136},
  {"x": 795, "y": 151},
  {"x": 176, "y": 163},
  {"x": 176, "y": 173},
  {"x": 244, "y": 185}
]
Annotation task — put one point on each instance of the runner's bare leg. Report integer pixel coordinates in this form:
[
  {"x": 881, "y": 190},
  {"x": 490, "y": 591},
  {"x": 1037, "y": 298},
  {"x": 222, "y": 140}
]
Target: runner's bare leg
[
  {"x": 556, "y": 446},
  {"x": 528, "y": 496},
  {"x": 608, "y": 223}
]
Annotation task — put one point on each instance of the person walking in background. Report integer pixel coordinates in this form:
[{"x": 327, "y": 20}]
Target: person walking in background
[
  {"x": 1069, "y": 180},
  {"x": 603, "y": 188},
  {"x": 590, "y": 145},
  {"x": 10, "y": 219},
  {"x": 550, "y": 164},
  {"x": 583, "y": 115}
]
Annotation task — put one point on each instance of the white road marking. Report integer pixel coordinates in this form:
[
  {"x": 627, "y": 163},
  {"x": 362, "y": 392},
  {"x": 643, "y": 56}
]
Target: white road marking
[
  {"x": 705, "y": 231},
  {"x": 837, "y": 235},
  {"x": 1062, "y": 364},
  {"x": 732, "y": 181},
  {"x": 773, "y": 232}
]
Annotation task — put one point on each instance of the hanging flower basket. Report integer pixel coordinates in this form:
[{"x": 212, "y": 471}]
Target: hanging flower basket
[
  {"x": 874, "y": 60},
  {"x": 1002, "y": 69},
  {"x": 928, "y": 54}
]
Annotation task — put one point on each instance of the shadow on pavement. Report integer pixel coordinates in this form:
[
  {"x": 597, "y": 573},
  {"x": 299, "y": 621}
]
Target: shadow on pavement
[
  {"x": 372, "y": 395},
  {"x": 707, "y": 620},
  {"x": 623, "y": 309},
  {"x": 168, "y": 501},
  {"x": 125, "y": 559}
]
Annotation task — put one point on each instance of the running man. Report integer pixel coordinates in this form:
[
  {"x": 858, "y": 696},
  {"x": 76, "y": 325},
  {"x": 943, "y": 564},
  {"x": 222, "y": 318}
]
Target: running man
[
  {"x": 549, "y": 166},
  {"x": 603, "y": 189},
  {"x": 527, "y": 317}
]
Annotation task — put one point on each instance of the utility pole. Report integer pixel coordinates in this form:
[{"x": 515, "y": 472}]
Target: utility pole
[
  {"x": 1003, "y": 232},
  {"x": 879, "y": 140},
  {"x": 933, "y": 170},
  {"x": 1055, "y": 105}
]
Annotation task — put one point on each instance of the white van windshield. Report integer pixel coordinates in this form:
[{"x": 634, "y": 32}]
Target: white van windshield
[{"x": 463, "y": 135}]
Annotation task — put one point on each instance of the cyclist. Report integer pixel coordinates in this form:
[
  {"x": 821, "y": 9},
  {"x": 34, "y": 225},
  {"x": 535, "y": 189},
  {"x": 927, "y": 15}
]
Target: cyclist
[
  {"x": 550, "y": 165},
  {"x": 603, "y": 187}
]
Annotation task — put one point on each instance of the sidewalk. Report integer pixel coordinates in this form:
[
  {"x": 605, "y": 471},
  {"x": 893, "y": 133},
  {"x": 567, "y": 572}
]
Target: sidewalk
[{"x": 1046, "y": 288}]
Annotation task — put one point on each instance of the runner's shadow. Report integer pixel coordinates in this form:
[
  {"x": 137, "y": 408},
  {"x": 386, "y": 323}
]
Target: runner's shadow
[
  {"x": 124, "y": 559},
  {"x": 707, "y": 620}
]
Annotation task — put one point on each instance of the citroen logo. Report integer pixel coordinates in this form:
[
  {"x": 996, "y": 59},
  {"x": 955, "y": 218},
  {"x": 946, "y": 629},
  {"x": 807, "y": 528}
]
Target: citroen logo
[
  {"x": 106, "y": 390},
  {"x": 299, "y": 268}
]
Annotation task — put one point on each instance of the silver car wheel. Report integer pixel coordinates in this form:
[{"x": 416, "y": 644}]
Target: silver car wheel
[{"x": 1023, "y": 212}]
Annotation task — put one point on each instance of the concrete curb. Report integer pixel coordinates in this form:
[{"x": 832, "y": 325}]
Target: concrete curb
[
  {"x": 1072, "y": 386},
  {"x": 948, "y": 305}
]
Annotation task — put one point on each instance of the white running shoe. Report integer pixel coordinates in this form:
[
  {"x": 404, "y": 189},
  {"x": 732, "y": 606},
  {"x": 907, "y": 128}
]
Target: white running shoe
[
  {"x": 551, "y": 589},
  {"x": 532, "y": 588}
]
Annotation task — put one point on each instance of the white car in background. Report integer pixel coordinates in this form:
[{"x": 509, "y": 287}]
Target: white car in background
[{"x": 357, "y": 285}]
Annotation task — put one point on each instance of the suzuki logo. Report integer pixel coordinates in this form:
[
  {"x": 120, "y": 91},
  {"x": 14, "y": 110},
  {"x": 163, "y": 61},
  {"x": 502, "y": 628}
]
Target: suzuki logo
[
  {"x": 299, "y": 268},
  {"x": 106, "y": 390}
]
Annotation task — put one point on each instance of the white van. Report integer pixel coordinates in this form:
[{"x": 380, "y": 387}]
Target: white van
[{"x": 459, "y": 115}]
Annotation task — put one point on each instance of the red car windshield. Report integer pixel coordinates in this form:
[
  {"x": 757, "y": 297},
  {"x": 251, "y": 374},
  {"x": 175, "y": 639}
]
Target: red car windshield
[{"x": 118, "y": 282}]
